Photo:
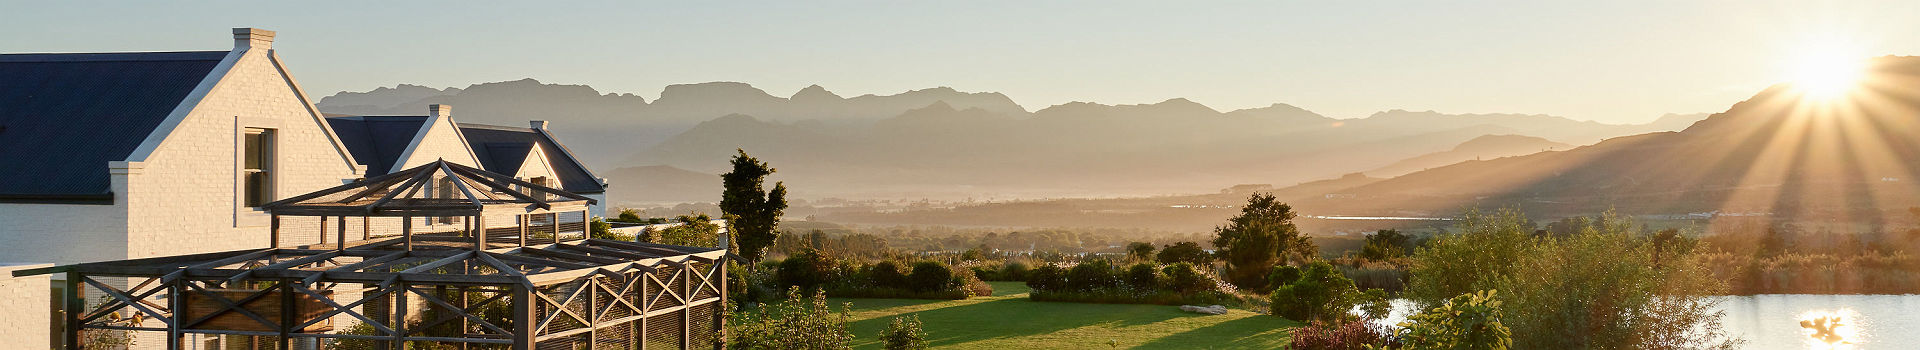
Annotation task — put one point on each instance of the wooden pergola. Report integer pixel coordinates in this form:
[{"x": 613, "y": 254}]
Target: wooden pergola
[
  {"x": 439, "y": 189},
  {"x": 564, "y": 293}
]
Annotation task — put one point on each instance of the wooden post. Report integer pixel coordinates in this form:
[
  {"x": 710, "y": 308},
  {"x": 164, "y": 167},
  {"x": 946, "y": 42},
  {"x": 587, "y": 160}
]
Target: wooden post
[
  {"x": 593, "y": 312},
  {"x": 76, "y": 304},
  {"x": 286, "y": 307},
  {"x": 176, "y": 306},
  {"x": 719, "y": 318},
  {"x": 274, "y": 232},
  {"x": 686, "y": 312},
  {"x": 555, "y": 224},
  {"x": 406, "y": 232},
  {"x": 366, "y": 228},
  {"x": 323, "y": 229},
  {"x": 522, "y": 218},
  {"x": 523, "y": 304},
  {"x": 342, "y": 235},
  {"x": 480, "y": 232},
  {"x": 399, "y": 323}
]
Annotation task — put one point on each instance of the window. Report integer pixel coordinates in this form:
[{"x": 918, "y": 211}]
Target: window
[{"x": 257, "y": 167}]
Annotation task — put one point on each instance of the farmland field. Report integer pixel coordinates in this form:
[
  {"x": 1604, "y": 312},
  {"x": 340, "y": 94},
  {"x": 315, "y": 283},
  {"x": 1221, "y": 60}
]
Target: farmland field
[{"x": 1009, "y": 321}]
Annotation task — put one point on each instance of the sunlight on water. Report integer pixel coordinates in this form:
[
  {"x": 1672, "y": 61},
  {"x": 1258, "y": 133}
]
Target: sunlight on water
[{"x": 1838, "y": 329}]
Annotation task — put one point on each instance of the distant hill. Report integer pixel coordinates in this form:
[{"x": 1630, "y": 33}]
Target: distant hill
[
  {"x": 1779, "y": 154},
  {"x": 1484, "y": 147}
]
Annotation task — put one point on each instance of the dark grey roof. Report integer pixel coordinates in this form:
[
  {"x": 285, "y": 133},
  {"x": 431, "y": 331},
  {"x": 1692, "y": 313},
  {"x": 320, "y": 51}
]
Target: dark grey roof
[
  {"x": 64, "y": 116},
  {"x": 496, "y": 147},
  {"x": 376, "y": 141}
]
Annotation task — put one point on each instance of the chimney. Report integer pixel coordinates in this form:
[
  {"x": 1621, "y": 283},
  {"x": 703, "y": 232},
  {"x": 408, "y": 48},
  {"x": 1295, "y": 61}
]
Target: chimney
[
  {"x": 248, "y": 38},
  {"x": 537, "y": 124},
  {"x": 440, "y": 111}
]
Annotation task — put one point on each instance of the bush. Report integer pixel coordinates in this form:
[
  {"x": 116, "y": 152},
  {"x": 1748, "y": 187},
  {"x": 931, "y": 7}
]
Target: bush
[
  {"x": 1184, "y": 252},
  {"x": 1603, "y": 285},
  {"x": 1471, "y": 321},
  {"x": 807, "y": 271},
  {"x": 887, "y": 274},
  {"x": 1093, "y": 274},
  {"x": 798, "y": 323},
  {"x": 1047, "y": 277},
  {"x": 929, "y": 276},
  {"x": 1321, "y": 293},
  {"x": 1183, "y": 278},
  {"x": 1014, "y": 271},
  {"x": 1352, "y": 334},
  {"x": 904, "y": 334},
  {"x": 1142, "y": 277}
]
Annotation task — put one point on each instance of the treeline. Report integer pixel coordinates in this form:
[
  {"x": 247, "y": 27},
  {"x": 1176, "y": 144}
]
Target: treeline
[{"x": 1766, "y": 258}]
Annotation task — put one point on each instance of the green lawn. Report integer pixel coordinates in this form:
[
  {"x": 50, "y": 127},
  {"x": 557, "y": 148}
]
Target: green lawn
[{"x": 1008, "y": 321}]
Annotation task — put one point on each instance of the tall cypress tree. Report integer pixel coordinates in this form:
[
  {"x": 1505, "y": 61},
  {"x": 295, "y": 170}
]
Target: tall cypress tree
[{"x": 752, "y": 213}]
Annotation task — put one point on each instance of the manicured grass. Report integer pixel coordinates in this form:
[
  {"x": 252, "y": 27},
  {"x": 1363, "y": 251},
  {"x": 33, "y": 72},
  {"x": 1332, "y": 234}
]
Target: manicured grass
[{"x": 1008, "y": 321}]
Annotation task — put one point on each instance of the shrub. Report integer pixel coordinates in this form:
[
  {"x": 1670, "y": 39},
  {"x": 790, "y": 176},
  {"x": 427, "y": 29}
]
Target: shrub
[
  {"x": 806, "y": 271},
  {"x": 1321, "y": 293},
  {"x": 1352, "y": 334},
  {"x": 887, "y": 274},
  {"x": 694, "y": 231},
  {"x": 1471, "y": 321},
  {"x": 1047, "y": 277},
  {"x": 1603, "y": 285},
  {"x": 1093, "y": 274},
  {"x": 1014, "y": 271},
  {"x": 904, "y": 334},
  {"x": 929, "y": 276},
  {"x": 798, "y": 323},
  {"x": 1182, "y": 278},
  {"x": 1184, "y": 252},
  {"x": 1142, "y": 277}
]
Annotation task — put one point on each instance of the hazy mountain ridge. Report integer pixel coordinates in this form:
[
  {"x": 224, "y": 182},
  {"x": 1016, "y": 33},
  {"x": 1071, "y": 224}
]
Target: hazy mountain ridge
[
  {"x": 1484, "y": 147},
  {"x": 947, "y": 142},
  {"x": 1778, "y": 153}
]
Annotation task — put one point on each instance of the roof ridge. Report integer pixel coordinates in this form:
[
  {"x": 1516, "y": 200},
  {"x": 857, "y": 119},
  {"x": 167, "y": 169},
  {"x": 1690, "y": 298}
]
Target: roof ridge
[{"x": 113, "y": 56}]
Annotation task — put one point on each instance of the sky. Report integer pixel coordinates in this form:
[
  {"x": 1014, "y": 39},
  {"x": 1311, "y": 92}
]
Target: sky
[{"x": 1608, "y": 61}]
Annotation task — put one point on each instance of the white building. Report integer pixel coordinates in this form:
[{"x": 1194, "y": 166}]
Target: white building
[{"x": 109, "y": 156}]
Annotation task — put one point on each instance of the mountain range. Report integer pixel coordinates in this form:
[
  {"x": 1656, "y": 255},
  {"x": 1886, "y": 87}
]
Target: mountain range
[{"x": 945, "y": 143}]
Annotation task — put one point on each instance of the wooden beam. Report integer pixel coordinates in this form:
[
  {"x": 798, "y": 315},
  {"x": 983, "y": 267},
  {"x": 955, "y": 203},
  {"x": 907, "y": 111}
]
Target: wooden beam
[
  {"x": 571, "y": 256},
  {"x": 523, "y": 312}
]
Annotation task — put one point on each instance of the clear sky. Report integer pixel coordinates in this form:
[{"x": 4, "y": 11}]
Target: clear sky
[{"x": 1611, "y": 61}]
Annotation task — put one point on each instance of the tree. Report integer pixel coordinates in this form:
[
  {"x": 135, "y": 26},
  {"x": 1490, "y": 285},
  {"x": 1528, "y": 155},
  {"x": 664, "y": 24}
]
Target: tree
[
  {"x": 1263, "y": 235},
  {"x": 1185, "y": 252},
  {"x": 798, "y": 323},
  {"x": 904, "y": 334},
  {"x": 629, "y": 215},
  {"x": 694, "y": 231},
  {"x": 1468, "y": 321},
  {"x": 751, "y": 212},
  {"x": 1140, "y": 251},
  {"x": 1386, "y": 244}
]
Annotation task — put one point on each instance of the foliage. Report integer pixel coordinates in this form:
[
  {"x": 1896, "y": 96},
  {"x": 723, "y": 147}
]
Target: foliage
[
  {"x": 1320, "y": 293},
  {"x": 904, "y": 334},
  {"x": 1262, "y": 236},
  {"x": 1387, "y": 244},
  {"x": 600, "y": 229},
  {"x": 1095, "y": 274},
  {"x": 807, "y": 271},
  {"x": 693, "y": 231},
  {"x": 1469, "y": 321},
  {"x": 887, "y": 274},
  {"x": 1048, "y": 277},
  {"x": 798, "y": 323},
  {"x": 751, "y": 213},
  {"x": 1183, "y": 278},
  {"x": 102, "y": 339},
  {"x": 1351, "y": 334},
  {"x": 1140, "y": 251},
  {"x": 629, "y": 215},
  {"x": 1605, "y": 285},
  {"x": 929, "y": 276},
  {"x": 1184, "y": 252},
  {"x": 1014, "y": 271},
  {"x": 1143, "y": 277}
]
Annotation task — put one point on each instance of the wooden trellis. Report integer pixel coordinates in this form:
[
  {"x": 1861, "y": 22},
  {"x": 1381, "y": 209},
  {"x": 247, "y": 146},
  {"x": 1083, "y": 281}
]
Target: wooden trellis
[{"x": 466, "y": 286}]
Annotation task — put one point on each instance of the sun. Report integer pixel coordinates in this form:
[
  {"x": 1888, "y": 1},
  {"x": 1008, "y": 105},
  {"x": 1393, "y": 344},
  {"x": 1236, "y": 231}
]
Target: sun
[{"x": 1827, "y": 74}]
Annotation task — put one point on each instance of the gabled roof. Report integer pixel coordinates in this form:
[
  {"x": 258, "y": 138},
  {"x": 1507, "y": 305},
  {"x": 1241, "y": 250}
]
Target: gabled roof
[
  {"x": 503, "y": 149},
  {"x": 377, "y": 141},
  {"x": 64, "y": 116}
]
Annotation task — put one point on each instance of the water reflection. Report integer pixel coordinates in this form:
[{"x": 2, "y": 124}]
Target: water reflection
[
  {"x": 1773, "y": 321},
  {"x": 1836, "y": 330}
]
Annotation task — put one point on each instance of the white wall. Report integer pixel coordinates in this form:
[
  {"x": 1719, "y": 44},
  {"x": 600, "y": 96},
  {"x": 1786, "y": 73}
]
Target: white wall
[
  {"x": 28, "y": 304},
  {"x": 186, "y": 198}
]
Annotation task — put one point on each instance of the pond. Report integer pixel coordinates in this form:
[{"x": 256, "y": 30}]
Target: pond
[{"x": 1772, "y": 321}]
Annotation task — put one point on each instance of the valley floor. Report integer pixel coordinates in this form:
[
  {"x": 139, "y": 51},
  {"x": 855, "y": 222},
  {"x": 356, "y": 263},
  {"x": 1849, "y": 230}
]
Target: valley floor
[{"x": 1008, "y": 320}]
